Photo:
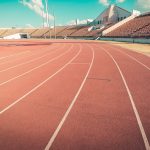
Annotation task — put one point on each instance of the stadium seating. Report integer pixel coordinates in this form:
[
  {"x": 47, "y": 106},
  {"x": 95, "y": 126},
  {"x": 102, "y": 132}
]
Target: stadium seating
[
  {"x": 7, "y": 32},
  {"x": 133, "y": 28},
  {"x": 68, "y": 31},
  {"x": 143, "y": 32},
  {"x": 29, "y": 31},
  {"x": 39, "y": 33},
  {"x": 11, "y": 31},
  {"x": 98, "y": 32},
  {"x": 81, "y": 32},
  {"x": 55, "y": 31},
  {"x": 2, "y": 31}
]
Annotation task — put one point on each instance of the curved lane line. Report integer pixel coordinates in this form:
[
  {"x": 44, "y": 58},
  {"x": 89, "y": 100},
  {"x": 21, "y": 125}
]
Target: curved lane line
[
  {"x": 39, "y": 85},
  {"x": 48, "y": 146},
  {"x": 133, "y": 58},
  {"x": 145, "y": 139},
  {"x": 14, "y": 55},
  {"x": 36, "y": 67},
  {"x": 32, "y": 60},
  {"x": 19, "y": 57}
]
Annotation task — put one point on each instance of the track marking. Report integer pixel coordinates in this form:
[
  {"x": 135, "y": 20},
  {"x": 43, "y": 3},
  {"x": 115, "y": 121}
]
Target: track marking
[
  {"x": 39, "y": 85},
  {"x": 32, "y": 60},
  {"x": 147, "y": 146},
  {"x": 133, "y": 58},
  {"x": 31, "y": 55},
  {"x": 48, "y": 146},
  {"x": 14, "y": 55},
  {"x": 36, "y": 67}
]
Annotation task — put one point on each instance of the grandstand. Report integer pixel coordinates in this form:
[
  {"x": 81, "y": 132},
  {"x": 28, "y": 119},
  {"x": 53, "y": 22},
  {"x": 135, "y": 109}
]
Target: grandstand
[
  {"x": 68, "y": 31},
  {"x": 29, "y": 31},
  {"x": 8, "y": 32},
  {"x": 39, "y": 33},
  {"x": 2, "y": 31},
  {"x": 56, "y": 31},
  {"x": 113, "y": 23},
  {"x": 139, "y": 26},
  {"x": 136, "y": 30}
]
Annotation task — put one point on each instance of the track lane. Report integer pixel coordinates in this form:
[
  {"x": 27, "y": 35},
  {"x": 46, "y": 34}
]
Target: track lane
[
  {"x": 9, "y": 62},
  {"x": 26, "y": 60},
  {"x": 102, "y": 117},
  {"x": 13, "y": 55},
  {"x": 5, "y": 51},
  {"x": 23, "y": 83},
  {"x": 45, "y": 106},
  {"x": 142, "y": 130},
  {"x": 64, "y": 118},
  {"x": 138, "y": 79},
  {"x": 138, "y": 57},
  {"x": 21, "y": 70}
]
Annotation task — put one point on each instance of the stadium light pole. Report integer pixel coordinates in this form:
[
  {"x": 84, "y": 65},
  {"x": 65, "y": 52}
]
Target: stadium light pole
[
  {"x": 47, "y": 17},
  {"x": 46, "y": 3},
  {"x": 43, "y": 17},
  {"x": 54, "y": 24}
]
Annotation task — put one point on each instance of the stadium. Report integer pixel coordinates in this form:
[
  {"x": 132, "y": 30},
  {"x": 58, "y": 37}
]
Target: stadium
[
  {"x": 114, "y": 23},
  {"x": 76, "y": 86}
]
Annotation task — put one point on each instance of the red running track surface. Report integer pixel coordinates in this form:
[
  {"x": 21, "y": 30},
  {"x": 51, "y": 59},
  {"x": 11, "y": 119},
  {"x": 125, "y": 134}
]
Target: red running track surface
[{"x": 73, "y": 95}]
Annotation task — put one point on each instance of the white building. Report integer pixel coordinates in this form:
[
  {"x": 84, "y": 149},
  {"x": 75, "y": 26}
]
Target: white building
[
  {"x": 111, "y": 15},
  {"x": 17, "y": 36}
]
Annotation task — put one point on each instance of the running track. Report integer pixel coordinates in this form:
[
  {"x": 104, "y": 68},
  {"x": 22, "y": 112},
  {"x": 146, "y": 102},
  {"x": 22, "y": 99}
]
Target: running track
[{"x": 73, "y": 95}]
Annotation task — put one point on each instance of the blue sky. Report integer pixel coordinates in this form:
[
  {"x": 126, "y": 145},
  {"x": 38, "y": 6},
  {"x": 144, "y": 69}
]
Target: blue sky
[{"x": 23, "y": 13}]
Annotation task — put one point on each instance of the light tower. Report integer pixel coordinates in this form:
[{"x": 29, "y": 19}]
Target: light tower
[
  {"x": 43, "y": 17},
  {"x": 47, "y": 18},
  {"x": 54, "y": 24}
]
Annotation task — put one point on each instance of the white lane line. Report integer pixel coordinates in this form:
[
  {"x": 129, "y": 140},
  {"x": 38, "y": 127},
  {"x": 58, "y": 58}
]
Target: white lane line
[
  {"x": 39, "y": 85},
  {"x": 31, "y": 55},
  {"x": 48, "y": 146},
  {"x": 147, "y": 146},
  {"x": 32, "y": 60},
  {"x": 133, "y": 58},
  {"x": 37, "y": 67},
  {"x": 14, "y": 55}
]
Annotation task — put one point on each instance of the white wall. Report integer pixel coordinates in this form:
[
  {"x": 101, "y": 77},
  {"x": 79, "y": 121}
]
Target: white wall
[
  {"x": 15, "y": 36},
  {"x": 113, "y": 13},
  {"x": 131, "y": 40},
  {"x": 105, "y": 13}
]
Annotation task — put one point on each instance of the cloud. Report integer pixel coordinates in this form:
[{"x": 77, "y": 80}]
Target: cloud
[
  {"x": 143, "y": 5},
  {"x": 120, "y": 1},
  {"x": 104, "y": 2},
  {"x": 37, "y": 6},
  {"x": 73, "y": 22},
  {"x": 38, "y": 3},
  {"x": 29, "y": 26}
]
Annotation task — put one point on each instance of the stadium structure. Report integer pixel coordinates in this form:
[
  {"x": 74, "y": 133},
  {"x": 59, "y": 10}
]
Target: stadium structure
[{"x": 114, "y": 23}]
